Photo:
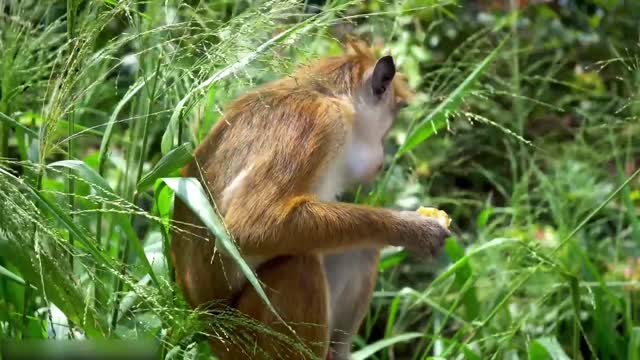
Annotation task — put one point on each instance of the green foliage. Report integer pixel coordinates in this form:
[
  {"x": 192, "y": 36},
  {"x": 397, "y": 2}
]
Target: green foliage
[
  {"x": 524, "y": 129},
  {"x": 437, "y": 118}
]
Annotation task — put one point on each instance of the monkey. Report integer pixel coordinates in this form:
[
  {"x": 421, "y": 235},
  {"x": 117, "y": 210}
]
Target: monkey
[{"x": 274, "y": 165}]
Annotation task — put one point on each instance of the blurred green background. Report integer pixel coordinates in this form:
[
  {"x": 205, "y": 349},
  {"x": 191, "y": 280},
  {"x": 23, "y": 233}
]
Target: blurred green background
[{"x": 525, "y": 130}]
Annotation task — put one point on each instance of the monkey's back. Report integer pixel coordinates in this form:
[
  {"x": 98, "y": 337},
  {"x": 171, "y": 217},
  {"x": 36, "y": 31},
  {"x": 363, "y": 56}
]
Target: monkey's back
[{"x": 257, "y": 129}]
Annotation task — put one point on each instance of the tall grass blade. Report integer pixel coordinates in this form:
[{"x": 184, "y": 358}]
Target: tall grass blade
[
  {"x": 634, "y": 344},
  {"x": 463, "y": 262},
  {"x": 98, "y": 182},
  {"x": 168, "y": 137},
  {"x": 12, "y": 122},
  {"x": 391, "y": 320},
  {"x": 10, "y": 275},
  {"x": 528, "y": 274},
  {"x": 367, "y": 351},
  {"x": 88, "y": 174},
  {"x": 60, "y": 215},
  {"x": 437, "y": 118},
  {"x": 30, "y": 241},
  {"x": 464, "y": 274},
  {"x": 106, "y": 138}
]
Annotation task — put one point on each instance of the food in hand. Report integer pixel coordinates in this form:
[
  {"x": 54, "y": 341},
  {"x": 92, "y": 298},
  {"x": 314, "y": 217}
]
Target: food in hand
[{"x": 438, "y": 214}]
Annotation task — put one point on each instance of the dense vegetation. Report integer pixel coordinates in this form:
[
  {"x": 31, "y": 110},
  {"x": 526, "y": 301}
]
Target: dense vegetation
[{"x": 525, "y": 131}]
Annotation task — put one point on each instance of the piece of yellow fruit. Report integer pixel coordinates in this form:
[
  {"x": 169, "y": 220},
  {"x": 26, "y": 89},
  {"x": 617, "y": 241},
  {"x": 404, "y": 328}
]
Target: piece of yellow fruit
[{"x": 438, "y": 214}]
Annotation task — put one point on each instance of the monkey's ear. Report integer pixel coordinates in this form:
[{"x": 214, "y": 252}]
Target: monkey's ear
[{"x": 383, "y": 74}]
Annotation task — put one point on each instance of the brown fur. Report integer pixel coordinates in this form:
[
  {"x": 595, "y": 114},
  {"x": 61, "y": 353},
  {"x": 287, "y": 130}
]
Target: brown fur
[{"x": 290, "y": 131}]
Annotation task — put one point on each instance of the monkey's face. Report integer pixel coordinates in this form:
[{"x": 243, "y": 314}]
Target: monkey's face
[{"x": 376, "y": 109}]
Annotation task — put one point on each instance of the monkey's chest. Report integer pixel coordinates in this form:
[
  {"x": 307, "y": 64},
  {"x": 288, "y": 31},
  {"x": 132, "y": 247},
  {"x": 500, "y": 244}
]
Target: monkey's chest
[{"x": 333, "y": 180}]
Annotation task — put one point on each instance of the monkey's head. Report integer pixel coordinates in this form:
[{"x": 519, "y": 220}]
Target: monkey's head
[
  {"x": 376, "y": 106},
  {"x": 377, "y": 92}
]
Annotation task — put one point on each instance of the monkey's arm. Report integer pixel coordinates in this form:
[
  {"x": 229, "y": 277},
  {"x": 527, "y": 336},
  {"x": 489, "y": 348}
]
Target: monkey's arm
[{"x": 302, "y": 224}]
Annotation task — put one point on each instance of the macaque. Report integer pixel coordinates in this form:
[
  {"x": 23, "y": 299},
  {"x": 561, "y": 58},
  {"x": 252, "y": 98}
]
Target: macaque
[{"x": 274, "y": 166}]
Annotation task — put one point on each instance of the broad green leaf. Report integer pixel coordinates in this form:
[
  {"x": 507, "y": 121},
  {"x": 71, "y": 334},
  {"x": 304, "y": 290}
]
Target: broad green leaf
[
  {"x": 94, "y": 179},
  {"x": 169, "y": 163},
  {"x": 437, "y": 118},
  {"x": 163, "y": 200},
  {"x": 546, "y": 348},
  {"x": 190, "y": 191},
  {"x": 371, "y": 349},
  {"x": 210, "y": 117}
]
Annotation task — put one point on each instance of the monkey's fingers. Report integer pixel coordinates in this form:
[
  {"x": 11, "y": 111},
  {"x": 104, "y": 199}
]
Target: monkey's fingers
[{"x": 442, "y": 217}]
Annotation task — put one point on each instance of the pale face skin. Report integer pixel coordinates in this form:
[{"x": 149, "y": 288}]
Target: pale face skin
[{"x": 374, "y": 117}]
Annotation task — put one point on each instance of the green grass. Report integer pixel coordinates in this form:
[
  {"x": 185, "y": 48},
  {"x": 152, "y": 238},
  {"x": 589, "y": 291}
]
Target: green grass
[{"x": 524, "y": 130}]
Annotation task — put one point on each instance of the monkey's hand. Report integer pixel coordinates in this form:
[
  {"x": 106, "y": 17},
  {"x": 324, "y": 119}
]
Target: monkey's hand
[{"x": 427, "y": 234}]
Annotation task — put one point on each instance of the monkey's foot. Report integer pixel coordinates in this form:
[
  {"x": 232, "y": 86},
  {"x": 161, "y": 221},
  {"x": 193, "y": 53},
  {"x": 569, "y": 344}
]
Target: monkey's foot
[{"x": 437, "y": 214}]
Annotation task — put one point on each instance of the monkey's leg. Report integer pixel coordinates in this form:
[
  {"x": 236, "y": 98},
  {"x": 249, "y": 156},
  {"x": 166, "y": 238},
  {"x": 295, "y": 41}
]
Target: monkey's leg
[
  {"x": 296, "y": 287},
  {"x": 351, "y": 276}
]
